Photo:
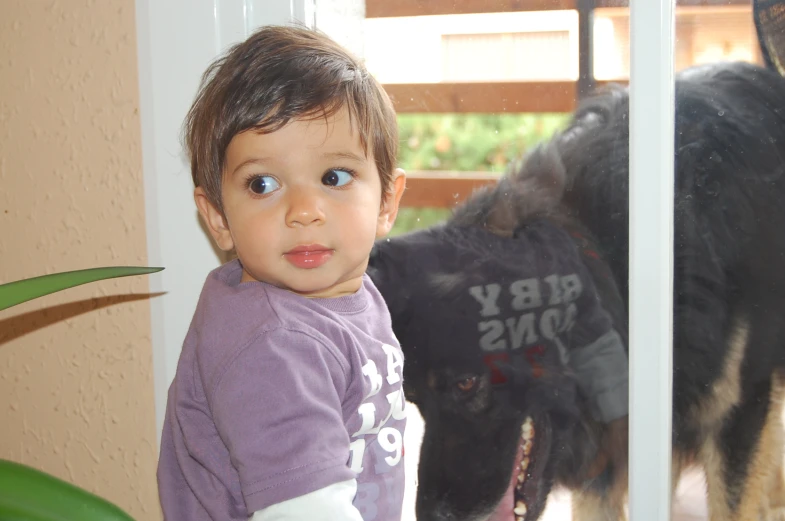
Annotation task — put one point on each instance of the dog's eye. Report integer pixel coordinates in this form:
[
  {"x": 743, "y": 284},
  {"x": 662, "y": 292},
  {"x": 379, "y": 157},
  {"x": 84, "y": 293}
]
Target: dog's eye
[{"x": 467, "y": 384}]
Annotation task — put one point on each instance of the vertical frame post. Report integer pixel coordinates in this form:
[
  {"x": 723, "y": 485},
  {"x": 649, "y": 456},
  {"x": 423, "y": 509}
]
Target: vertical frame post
[
  {"x": 652, "y": 25},
  {"x": 176, "y": 41}
]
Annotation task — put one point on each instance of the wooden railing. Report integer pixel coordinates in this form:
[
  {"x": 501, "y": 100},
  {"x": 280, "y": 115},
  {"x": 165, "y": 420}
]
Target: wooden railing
[
  {"x": 389, "y": 8},
  {"x": 446, "y": 189},
  {"x": 433, "y": 189},
  {"x": 493, "y": 97}
]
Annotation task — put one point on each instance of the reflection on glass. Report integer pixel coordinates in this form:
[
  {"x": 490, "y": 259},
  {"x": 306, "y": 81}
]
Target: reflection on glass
[
  {"x": 518, "y": 46},
  {"x": 471, "y": 142},
  {"x": 466, "y": 334},
  {"x": 706, "y": 34}
]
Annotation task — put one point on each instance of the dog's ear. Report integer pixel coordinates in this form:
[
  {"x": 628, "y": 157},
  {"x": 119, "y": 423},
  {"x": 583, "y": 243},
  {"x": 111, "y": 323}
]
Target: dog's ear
[
  {"x": 535, "y": 189},
  {"x": 543, "y": 172}
]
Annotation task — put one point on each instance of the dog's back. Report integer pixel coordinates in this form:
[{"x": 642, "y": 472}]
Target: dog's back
[{"x": 729, "y": 254}]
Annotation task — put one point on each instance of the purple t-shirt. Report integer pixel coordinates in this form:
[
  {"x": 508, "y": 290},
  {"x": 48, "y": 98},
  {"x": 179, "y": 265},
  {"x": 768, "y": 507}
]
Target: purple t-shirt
[{"x": 277, "y": 395}]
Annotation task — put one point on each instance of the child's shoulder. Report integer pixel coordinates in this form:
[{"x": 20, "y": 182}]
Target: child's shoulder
[
  {"x": 232, "y": 315},
  {"x": 235, "y": 307}
]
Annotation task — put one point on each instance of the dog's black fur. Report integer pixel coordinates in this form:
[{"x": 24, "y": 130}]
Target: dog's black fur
[{"x": 729, "y": 308}]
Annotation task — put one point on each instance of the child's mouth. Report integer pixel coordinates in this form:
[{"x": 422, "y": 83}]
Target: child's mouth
[{"x": 309, "y": 256}]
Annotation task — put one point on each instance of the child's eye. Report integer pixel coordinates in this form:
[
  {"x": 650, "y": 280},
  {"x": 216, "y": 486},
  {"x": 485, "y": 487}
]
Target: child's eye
[
  {"x": 337, "y": 177},
  {"x": 263, "y": 184}
]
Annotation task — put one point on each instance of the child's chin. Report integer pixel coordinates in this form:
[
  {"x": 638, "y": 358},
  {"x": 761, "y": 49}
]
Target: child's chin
[{"x": 325, "y": 288}]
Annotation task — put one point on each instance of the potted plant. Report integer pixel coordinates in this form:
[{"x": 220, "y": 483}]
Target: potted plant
[{"x": 28, "y": 494}]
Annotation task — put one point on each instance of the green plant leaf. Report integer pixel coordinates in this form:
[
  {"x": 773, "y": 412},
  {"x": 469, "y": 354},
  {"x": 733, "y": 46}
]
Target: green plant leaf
[
  {"x": 14, "y": 293},
  {"x": 27, "y": 494}
]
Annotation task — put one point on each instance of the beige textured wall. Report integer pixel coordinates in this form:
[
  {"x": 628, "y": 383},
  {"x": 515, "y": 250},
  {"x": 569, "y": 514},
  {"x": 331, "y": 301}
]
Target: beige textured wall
[{"x": 76, "y": 391}]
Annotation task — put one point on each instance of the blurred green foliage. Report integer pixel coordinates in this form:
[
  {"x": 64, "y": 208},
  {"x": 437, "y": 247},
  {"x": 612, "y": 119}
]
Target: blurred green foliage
[
  {"x": 471, "y": 142},
  {"x": 465, "y": 143}
]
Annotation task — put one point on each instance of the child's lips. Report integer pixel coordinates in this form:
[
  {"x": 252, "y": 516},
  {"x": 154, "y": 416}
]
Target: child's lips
[{"x": 309, "y": 256}]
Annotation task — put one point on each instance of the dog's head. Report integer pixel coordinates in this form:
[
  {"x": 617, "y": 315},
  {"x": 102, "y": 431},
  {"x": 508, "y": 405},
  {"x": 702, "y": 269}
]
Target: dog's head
[
  {"x": 478, "y": 305},
  {"x": 482, "y": 366}
]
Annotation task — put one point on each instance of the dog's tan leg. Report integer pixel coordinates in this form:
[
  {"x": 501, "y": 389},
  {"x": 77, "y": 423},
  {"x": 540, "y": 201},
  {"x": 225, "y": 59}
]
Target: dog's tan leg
[
  {"x": 762, "y": 492},
  {"x": 590, "y": 506},
  {"x": 758, "y": 491},
  {"x": 753, "y": 493},
  {"x": 771, "y": 447},
  {"x": 777, "y": 496},
  {"x": 712, "y": 461},
  {"x": 606, "y": 502},
  {"x": 777, "y": 493}
]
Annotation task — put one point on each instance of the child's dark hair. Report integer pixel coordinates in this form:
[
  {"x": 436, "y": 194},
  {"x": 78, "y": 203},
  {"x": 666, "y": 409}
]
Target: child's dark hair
[{"x": 279, "y": 74}]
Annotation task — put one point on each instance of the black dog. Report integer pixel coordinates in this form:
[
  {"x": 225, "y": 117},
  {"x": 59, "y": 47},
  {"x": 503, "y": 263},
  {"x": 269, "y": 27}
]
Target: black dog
[{"x": 506, "y": 414}]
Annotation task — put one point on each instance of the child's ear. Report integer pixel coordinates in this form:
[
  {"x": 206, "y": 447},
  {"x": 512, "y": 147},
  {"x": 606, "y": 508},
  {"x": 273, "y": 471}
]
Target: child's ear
[
  {"x": 390, "y": 203},
  {"x": 214, "y": 219}
]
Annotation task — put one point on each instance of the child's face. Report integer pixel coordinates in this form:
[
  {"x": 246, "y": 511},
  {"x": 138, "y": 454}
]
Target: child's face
[{"x": 302, "y": 206}]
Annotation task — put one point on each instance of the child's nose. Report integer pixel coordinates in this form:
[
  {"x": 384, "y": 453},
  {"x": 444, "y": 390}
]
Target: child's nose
[{"x": 304, "y": 209}]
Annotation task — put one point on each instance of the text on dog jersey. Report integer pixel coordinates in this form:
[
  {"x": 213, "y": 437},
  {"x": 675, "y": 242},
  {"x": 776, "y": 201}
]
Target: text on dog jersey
[{"x": 548, "y": 305}]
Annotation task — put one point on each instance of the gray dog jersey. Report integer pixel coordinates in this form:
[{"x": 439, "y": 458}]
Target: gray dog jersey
[{"x": 530, "y": 294}]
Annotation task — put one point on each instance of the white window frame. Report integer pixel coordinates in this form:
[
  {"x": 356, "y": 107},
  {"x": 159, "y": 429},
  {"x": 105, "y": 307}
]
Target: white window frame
[
  {"x": 176, "y": 40},
  {"x": 652, "y": 129}
]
